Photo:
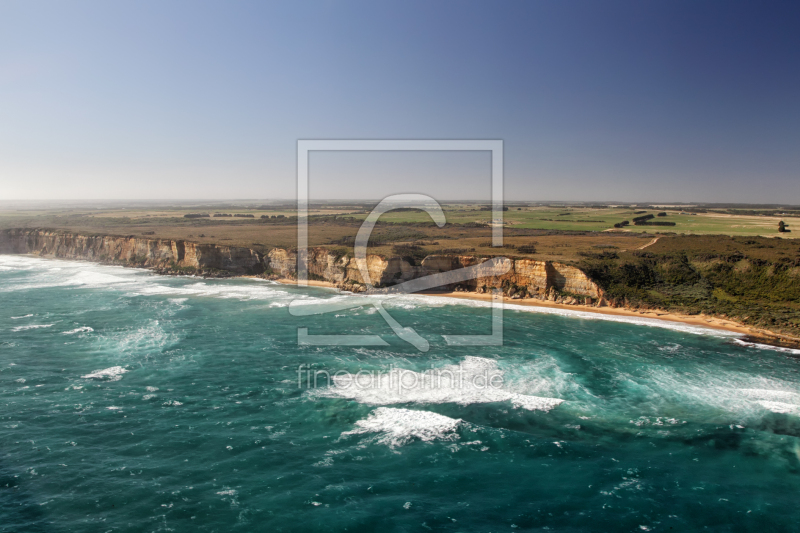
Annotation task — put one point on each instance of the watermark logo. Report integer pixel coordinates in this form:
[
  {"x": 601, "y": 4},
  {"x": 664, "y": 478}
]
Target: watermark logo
[
  {"x": 377, "y": 296},
  {"x": 394, "y": 383}
]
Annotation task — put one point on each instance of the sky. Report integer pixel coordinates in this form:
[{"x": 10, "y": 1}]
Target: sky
[{"x": 693, "y": 101}]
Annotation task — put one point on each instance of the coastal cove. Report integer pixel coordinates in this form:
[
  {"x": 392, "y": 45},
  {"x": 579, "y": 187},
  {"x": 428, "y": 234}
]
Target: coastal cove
[
  {"x": 510, "y": 303},
  {"x": 543, "y": 283}
]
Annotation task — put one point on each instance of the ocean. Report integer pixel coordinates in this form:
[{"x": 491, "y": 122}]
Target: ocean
[{"x": 136, "y": 402}]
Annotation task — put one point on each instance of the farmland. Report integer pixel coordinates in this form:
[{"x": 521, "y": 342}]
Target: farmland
[{"x": 331, "y": 222}]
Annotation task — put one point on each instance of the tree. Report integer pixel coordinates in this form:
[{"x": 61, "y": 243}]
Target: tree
[{"x": 781, "y": 227}]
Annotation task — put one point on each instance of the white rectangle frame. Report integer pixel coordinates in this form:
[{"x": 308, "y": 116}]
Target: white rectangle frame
[{"x": 305, "y": 146}]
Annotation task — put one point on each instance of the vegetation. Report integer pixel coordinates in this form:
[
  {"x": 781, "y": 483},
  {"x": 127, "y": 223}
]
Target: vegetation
[
  {"x": 655, "y": 223},
  {"x": 723, "y": 219},
  {"x": 754, "y": 281},
  {"x": 526, "y": 249}
]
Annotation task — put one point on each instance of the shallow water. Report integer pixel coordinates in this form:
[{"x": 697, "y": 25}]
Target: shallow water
[{"x": 135, "y": 402}]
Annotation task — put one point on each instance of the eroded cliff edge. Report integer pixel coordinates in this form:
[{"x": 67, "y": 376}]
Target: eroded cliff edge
[{"x": 526, "y": 279}]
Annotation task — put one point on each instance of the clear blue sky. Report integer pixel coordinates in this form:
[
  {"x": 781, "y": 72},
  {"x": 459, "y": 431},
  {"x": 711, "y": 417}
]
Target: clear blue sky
[{"x": 639, "y": 100}]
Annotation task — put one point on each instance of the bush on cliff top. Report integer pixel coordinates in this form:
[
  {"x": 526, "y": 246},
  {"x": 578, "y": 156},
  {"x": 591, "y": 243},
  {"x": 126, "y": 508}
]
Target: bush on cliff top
[{"x": 754, "y": 284}]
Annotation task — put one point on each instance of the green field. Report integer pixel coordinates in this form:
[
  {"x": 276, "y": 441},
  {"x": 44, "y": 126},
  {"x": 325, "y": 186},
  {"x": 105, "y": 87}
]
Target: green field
[
  {"x": 603, "y": 219},
  {"x": 332, "y": 222}
]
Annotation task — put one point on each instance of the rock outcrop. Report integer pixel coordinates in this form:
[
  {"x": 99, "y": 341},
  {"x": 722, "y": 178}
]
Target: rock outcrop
[{"x": 525, "y": 279}]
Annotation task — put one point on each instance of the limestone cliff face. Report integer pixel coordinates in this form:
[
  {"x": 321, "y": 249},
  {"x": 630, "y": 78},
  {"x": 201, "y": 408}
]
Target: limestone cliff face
[
  {"x": 526, "y": 279},
  {"x": 236, "y": 259},
  {"x": 283, "y": 262},
  {"x": 136, "y": 251}
]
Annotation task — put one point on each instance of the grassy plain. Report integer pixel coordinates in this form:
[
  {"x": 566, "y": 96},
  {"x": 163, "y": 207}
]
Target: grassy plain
[
  {"x": 324, "y": 230},
  {"x": 576, "y": 218},
  {"x": 331, "y": 223}
]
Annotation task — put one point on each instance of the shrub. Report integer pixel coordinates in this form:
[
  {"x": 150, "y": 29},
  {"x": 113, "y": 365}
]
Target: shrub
[
  {"x": 455, "y": 251},
  {"x": 658, "y": 223}
]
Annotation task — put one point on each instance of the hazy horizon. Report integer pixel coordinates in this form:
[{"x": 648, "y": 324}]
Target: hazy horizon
[{"x": 250, "y": 202}]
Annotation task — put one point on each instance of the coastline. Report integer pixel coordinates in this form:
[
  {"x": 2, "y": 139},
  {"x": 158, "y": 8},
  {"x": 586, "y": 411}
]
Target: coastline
[{"x": 746, "y": 333}]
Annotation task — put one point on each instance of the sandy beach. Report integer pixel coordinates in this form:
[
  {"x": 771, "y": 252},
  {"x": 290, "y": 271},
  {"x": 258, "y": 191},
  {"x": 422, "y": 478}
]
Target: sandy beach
[{"x": 764, "y": 336}]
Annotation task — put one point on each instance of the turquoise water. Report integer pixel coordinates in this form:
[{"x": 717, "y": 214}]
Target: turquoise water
[{"x": 134, "y": 402}]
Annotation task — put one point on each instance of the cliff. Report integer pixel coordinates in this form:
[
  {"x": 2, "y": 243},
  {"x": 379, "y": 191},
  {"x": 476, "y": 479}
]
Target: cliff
[
  {"x": 525, "y": 279},
  {"x": 134, "y": 251}
]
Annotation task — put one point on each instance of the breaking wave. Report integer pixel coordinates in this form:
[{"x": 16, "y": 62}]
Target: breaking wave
[
  {"x": 84, "y": 329},
  {"x": 113, "y": 373},
  {"x": 397, "y": 427},
  {"x": 32, "y": 326},
  {"x": 475, "y": 380},
  {"x": 759, "y": 346}
]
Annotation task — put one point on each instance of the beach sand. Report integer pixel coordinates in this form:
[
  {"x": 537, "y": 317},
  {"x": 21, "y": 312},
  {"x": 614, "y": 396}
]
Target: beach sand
[{"x": 758, "y": 335}]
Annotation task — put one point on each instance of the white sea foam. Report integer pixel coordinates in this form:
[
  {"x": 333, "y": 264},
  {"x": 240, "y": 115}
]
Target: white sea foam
[
  {"x": 18, "y": 317},
  {"x": 93, "y": 278},
  {"x": 32, "y": 326},
  {"x": 138, "y": 282},
  {"x": 735, "y": 392},
  {"x": 218, "y": 289},
  {"x": 84, "y": 329},
  {"x": 411, "y": 301},
  {"x": 18, "y": 262},
  {"x": 777, "y": 401},
  {"x": 780, "y": 407},
  {"x": 113, "y": 373},
  {"x": 766, "y": 347},
  {"x": 67, "y": 273},
  {"x": 772, "y": 395},
  {"x": 397, "y": 427},
  {"x": 143, "y": 340},
  {"x": 475, "y": 380}
]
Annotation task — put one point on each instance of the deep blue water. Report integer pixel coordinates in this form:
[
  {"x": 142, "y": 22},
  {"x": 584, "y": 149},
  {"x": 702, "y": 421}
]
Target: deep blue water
[{"x": 134, "y": 402}]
